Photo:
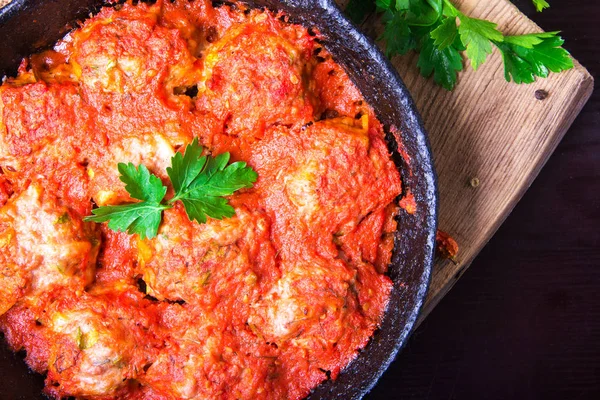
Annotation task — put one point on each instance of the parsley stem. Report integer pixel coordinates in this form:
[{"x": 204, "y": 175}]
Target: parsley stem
[
  {"x": 177, "y": 197},
  {"x": 173, "y": 200},
  {"x": 453, "y": 11}
]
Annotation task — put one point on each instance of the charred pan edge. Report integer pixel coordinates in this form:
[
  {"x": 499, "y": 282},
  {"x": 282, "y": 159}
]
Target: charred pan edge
[
  {"x": 412, "y": 260},
  {"x": 27, "y": 26}
]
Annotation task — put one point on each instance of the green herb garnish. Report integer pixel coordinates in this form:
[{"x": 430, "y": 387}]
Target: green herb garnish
[
  {"x": 540, "y": 5},
  {"x": 199, "y": 182},
  {"x": 439, "y": 32}
]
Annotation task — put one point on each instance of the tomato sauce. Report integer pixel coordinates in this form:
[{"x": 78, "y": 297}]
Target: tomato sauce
[{"x": 264, "y": 305}]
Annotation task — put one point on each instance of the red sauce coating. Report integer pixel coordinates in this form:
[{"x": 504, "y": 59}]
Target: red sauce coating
[{"x": 264, "y": 305}]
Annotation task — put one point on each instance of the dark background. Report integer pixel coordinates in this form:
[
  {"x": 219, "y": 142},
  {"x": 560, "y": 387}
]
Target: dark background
[{"x": 524, "y": 320}]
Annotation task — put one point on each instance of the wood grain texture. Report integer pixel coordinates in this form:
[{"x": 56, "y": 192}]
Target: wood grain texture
[
  {"x": 524, "y": 321},
  {"x": 488, "y": 129}
]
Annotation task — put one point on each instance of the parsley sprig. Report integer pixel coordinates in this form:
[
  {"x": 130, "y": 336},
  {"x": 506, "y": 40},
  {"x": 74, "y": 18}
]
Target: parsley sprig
[
  {"x": 439, "y": 32},
  {"x": 540, "y": 5},
  {"x": 199, "y": 182}
]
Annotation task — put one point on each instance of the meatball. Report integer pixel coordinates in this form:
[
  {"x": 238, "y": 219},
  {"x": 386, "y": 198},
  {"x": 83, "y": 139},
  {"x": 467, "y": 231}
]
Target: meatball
[
  {"x": 45, "y": 246},
  {"x": 254, "y": 78},
  {"x": 339, "y": 165},
  {"x": 99, "y": 341},
  {"x": 222, "y": 260},
  {"x": 306, "y": 294},
  {"x": 121, "y": 53}
]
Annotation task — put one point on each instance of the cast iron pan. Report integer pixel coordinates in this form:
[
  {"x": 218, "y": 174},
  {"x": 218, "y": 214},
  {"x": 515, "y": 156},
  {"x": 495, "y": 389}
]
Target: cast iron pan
[{"x": 27, "y": 26}]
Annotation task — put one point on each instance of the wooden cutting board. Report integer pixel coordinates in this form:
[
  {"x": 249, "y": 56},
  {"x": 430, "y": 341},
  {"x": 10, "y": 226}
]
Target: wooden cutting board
[{"x": 488, "y": 130}]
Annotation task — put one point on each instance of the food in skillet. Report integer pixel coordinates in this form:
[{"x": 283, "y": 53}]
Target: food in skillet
[{"x": 265, "y": 301}]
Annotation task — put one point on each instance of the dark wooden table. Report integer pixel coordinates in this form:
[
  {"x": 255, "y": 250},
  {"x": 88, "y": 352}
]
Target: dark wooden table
[{"x": 524, "y": 321}]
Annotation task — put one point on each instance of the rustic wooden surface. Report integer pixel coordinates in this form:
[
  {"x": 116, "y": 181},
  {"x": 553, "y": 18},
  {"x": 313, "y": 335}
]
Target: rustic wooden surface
[
  {"x": 489, "y": 129},
  {"x": 524, "y": 321}
]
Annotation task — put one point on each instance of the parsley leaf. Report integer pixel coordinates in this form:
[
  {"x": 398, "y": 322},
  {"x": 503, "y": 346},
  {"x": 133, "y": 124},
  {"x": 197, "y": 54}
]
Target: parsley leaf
[
  {"x": 534, "y": 55},
  {"x": 141, "y": 184},
  {"x": 443, "y": 63},
  {"x": 529, "y": 40},
  {"x": 445, "y": 34},
  {"x": 186, "y": 167},
  {"x": 540, "y": 5},
  {"x": 199, "y": 207},
  {"x": 202, "y": 181},
  {"x": 142, "y": 218},
  {"x": 422, "y": 12},
  {"x": 477, "y": 34},
  {"x": 398, "y": 36},
  {"x": 383, "y": 5},
  {"x": 199, "y": 182},
  {"x": 439, "y": 32},
  {"x": 220, "y": 179}
]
